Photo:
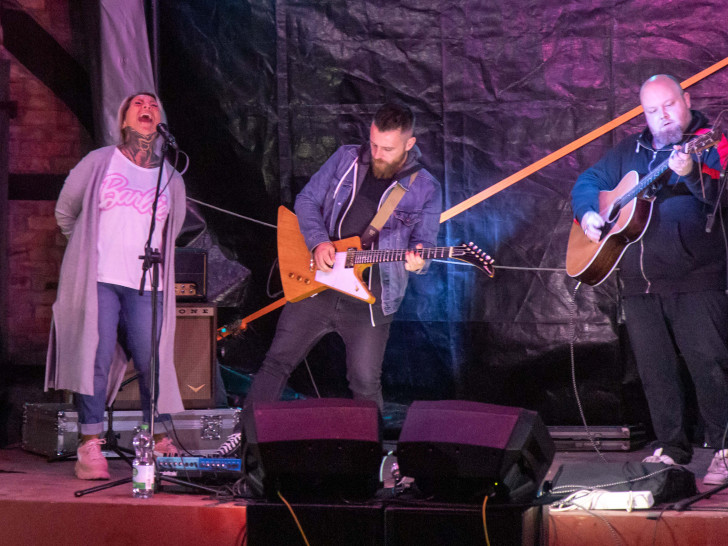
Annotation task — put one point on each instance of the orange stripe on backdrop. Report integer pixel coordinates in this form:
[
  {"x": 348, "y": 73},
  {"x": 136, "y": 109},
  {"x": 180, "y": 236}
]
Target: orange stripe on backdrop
[{"x": 558, "y": 154}]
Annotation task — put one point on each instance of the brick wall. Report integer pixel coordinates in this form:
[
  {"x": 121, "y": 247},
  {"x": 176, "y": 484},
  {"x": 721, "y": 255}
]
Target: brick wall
[
  {"x": 35, "y": 247},
  {"x": 45, "y": 138}
]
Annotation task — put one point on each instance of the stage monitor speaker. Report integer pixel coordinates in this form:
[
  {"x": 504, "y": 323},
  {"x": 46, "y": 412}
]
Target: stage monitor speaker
[
  {"x": 194, "y": 359},
  {"x": 460, "y": 450},
  {"x": 314, "y": 449}
]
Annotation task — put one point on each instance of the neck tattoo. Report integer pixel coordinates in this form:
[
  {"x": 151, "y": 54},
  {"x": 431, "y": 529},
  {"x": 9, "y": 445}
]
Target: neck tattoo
[{"x": 140, "y": 149}]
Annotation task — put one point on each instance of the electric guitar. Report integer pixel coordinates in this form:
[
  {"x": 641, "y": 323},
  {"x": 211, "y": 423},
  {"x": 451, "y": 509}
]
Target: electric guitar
[
  {"x": 626, "y": 211},
  {"x": 301, "y": 279}
]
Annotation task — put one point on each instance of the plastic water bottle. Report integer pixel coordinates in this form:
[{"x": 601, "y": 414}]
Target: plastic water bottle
[{"x": 143, "y": 465}]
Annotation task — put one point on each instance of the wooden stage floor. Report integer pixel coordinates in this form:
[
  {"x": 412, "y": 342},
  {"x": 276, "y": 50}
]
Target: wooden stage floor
[
  {"x": 704, "y": 524},
  {"x": 38, "y": 506}
]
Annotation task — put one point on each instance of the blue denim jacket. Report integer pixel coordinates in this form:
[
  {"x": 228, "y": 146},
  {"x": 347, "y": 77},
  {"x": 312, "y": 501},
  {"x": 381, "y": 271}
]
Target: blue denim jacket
[{"x": 416, "y": 219}]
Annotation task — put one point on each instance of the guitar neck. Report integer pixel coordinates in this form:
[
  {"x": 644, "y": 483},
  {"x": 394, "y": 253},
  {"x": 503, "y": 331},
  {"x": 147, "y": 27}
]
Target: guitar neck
[
  {"x": 646, "y": 181},
  {"x": 397, "y": 255},
  {"x": 694, "y": 146}
]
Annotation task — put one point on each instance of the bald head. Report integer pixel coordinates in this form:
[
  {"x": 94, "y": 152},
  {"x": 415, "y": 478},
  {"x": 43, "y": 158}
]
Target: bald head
[
  {"x": 667, "y": 109},
  {"x": 662, "y": 79}
]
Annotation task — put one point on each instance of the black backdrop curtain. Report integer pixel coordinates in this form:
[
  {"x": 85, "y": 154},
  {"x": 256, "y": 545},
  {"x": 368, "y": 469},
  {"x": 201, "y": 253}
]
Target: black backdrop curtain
[{"x": 260, "y": 93}]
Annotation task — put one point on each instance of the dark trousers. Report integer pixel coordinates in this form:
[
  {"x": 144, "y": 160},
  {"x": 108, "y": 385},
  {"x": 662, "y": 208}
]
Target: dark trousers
[
  {"x": 303, "y": 324},
  {"x": 694, "y": 325}
]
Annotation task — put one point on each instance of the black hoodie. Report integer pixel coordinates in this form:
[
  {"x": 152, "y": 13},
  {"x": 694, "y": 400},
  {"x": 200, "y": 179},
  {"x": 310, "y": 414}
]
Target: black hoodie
[{"x": 675, "y": 253}]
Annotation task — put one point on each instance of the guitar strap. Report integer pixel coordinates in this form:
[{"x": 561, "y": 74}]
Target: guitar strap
[{"x": 371, "y": 233}]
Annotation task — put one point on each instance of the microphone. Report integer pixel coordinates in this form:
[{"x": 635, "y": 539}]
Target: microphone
[{"x": 167, "y": 136}]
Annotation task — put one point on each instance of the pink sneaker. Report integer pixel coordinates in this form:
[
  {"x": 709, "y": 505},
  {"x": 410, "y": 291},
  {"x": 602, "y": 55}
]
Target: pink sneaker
[
  {"x": 718, "y": 470},
  {"x": 165, "y": 448},
  {"x": 90, "y": 462}
]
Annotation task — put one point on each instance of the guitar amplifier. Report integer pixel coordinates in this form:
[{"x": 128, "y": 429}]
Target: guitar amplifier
[
  {"x": 195, "y": 351},
  {"x": 190, "y": 274}
]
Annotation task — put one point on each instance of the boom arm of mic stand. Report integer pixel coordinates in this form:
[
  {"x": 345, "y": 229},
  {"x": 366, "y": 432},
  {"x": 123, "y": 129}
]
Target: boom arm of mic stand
[{"x": 721, "y": 189}]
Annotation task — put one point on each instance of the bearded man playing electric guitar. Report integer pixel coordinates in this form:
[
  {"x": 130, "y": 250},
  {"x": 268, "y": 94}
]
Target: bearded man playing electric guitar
[
  {"x": 674, "y": 276},
  {"x": 340, "y": 201}
]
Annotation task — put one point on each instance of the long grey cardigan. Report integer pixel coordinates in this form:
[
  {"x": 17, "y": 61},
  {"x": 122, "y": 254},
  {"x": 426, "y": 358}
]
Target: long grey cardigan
[{"x": 74, "y": 326}]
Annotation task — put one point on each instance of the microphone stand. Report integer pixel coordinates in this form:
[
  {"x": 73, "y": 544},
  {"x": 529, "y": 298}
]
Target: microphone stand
[
  {"x": 687, "y": 503},
  {"x": 151, "y": 259},
  {"x": 711, "y": 216},
  {"x": 721, "y": 189}
]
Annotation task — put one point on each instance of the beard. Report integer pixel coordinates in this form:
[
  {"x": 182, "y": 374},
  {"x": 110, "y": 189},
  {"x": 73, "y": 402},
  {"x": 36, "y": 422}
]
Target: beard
[
  {"x": 672, "y": 134},
  {"x": 383, "y": 170}
]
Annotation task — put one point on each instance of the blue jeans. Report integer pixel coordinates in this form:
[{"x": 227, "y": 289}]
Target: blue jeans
[
  {"x": 303, "y": 324},
  {"x": 692, "y": 325},
  {"x": 121, "y": 309}
]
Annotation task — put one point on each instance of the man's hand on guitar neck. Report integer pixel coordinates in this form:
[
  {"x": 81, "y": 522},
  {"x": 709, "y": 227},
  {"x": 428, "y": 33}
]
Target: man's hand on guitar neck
[
  {"x": 592, "y": 224},
  {"x": 324, "y": 256},
  {"x": 413, "y": 260},
  {"x": 680, "y": 163}
]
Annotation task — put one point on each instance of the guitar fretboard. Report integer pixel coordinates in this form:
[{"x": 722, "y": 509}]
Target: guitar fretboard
[
  {"x": 694, "y": 146},
  {"x": 397, "y": 255},
  {"x": 648, "y": 179}
]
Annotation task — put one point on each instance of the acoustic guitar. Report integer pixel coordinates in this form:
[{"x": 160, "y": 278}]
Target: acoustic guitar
[{"x": 626, "y": 210}]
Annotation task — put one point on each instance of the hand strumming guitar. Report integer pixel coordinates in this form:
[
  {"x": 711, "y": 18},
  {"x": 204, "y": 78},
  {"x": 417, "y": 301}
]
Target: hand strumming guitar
[
  {"x": 323, "y": 256},
  {"x": 592, "y": 224}
]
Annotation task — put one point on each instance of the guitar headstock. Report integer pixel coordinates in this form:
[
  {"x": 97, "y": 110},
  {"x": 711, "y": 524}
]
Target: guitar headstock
[
  {"x": 703, "y": 142},
  {"x": 471, "y": 253}
]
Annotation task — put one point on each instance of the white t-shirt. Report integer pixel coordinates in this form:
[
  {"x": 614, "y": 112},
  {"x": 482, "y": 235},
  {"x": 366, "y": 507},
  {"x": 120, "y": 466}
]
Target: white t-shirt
[{"x": 125, "y": 207}]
